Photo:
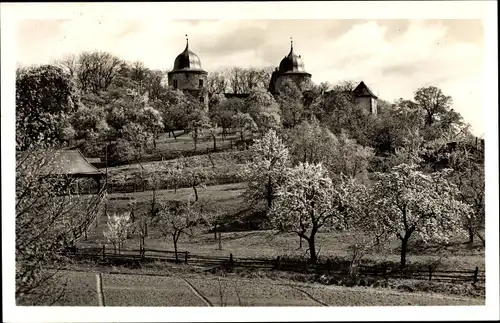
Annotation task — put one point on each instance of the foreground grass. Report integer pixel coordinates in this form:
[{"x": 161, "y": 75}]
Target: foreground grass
[{"x": 175, "y": 290}]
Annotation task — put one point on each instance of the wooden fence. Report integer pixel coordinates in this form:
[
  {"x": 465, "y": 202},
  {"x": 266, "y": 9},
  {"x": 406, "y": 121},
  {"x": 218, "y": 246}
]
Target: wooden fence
[{"x": 218, "y": 262}]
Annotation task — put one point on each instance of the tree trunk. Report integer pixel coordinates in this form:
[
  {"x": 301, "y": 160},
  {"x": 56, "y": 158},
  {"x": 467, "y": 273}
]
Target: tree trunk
[
  {"x": 195, "y": 142},
  {"x": 195, "y": 193},
  {"x": 269, "y": 192},
  {"x": 173, "y": 134},
  {"x": 471, "y": 235},
  {"x": 153, "y": 201},
  {"x": 215, "y": 232},
  {"x": 215, "y": 144},
  {"x": 241, "y": 135},
  {"x": 404, "y": 249},
  {"x": 429, "y": 120},
  {"x": 312, "y": 249},
  {"x": 175, "y": 248},
  {"x": 211, "y": 160},
  {"x": 481, "y": 238}
]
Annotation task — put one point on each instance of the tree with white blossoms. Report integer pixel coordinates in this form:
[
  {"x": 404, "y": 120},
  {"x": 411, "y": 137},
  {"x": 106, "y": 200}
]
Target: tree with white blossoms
[
  {"x": 360, "y": 214},
  {"x": 267, "y": 169},
  {"x": 408, "y": 201},
  {"x": 197, "y": 124},
  {"x": 243, "y": 122},
  {"x": 306, "y": 203},
  {"x": 117, "y": 230},
  {"x": 175, "y": 219}
]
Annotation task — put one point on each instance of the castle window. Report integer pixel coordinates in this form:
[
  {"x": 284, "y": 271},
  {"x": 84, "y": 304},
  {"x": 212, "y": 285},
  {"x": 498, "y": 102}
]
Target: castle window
[
  {"x": 202, "y": 99},
  {"x": 175, "y": 84},
  {"x": 200, "y": 84}
]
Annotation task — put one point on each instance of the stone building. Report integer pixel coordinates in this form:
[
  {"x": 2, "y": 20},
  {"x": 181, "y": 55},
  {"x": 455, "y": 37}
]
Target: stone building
[
  {"x": 291, "y": 68},
  {"x": 188, "y": 75},
  {"x": 365, "y": 98}
]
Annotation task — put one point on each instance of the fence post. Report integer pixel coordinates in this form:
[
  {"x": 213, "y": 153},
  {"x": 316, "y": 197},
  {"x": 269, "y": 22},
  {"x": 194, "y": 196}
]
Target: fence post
[
  {"x": 103, "y": 252},
  {"x": 186, "y": 258},
  {"x": 328, "y": 266},
  {"x": 430, "y": 273},
  {"x": 278, "y": 265},
  {"x": 476, "y": 273}
]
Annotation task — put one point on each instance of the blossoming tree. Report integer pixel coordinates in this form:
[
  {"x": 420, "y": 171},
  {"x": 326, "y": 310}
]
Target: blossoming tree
[
  {"x": 175, "y": 219},
  {"x": 266, "y": 171},
  {"x": 118, "y": 229},
  {"x": 408, "y": 201},
  {"x": 306, "y": 203}
]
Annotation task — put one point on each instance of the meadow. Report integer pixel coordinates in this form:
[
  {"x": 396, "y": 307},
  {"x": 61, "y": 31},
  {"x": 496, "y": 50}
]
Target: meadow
[
  {"x": 198, "y": 290},
  {"x": 241, "y": 238}
]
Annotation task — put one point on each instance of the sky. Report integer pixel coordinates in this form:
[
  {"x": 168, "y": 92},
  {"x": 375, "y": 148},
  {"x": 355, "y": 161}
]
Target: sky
[{"x": 393, "y": 57}]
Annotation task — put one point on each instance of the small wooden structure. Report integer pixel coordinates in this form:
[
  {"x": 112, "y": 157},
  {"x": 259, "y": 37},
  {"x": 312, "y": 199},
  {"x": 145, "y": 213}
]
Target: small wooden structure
[{"x": 69, "y": 164}]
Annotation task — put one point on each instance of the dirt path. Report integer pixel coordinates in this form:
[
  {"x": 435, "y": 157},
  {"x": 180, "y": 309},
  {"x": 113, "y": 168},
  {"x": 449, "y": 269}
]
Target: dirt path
[
  {"x": 309, "y": 296},
  {"x": 197, "y": 292}
]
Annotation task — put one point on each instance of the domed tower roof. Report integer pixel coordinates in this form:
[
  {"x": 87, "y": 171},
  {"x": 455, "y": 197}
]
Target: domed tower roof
[
  {"x": 187, "y": 61},
  {"x": 292, "y": 63}
]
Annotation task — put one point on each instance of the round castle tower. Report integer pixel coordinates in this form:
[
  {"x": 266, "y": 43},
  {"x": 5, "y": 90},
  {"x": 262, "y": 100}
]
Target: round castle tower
[
  {"x": 188, "y": 75},
  {"x": 291, "y": 68}
]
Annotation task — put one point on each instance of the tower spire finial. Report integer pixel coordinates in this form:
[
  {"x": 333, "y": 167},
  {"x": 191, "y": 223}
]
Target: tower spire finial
[
  {"x": 291, "y": 44},
  {"x": 187, "y": 41}
]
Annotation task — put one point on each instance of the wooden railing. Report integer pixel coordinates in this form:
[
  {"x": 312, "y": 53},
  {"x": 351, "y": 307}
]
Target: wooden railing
[{"x": 108, "y": 254}]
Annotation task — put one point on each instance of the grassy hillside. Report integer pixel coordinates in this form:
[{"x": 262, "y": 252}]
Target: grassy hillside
[{"x": 223, "y": 168}]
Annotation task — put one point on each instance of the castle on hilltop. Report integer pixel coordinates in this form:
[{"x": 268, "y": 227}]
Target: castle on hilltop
[{"x": 188, "y": 76}]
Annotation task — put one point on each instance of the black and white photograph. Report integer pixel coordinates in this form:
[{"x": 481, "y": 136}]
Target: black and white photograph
[{"x": 185, "y": 156}]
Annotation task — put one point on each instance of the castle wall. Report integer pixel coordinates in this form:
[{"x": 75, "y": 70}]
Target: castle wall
[
  {"x": 374, "y": 106},
  {"x": 187, "y": 81},
  {"x": 368, "y": 104},
  {"x": 190, "y": 82}
]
